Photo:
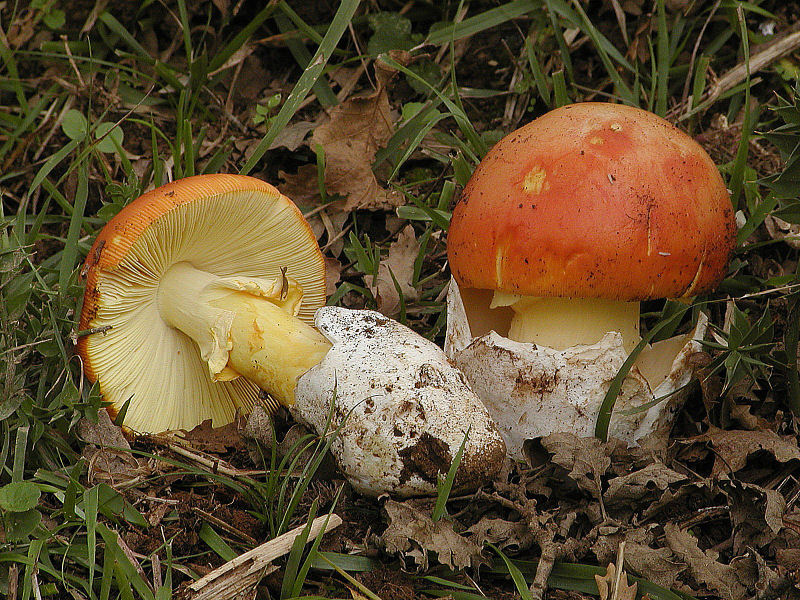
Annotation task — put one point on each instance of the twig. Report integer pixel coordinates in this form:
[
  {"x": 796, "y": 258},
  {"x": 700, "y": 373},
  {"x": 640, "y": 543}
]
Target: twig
[
  {"x": 13, "y": 581},
  {"x": 215, "y": 465},
  {"x": 222, "y": 524},
  {"x": 156, "y": 562},
  {"x": 132, "y": 557},
  {"x": 84, "y": 332},
  {"x": 245, "y": 570},
  {"x": 774, "y": 51}
]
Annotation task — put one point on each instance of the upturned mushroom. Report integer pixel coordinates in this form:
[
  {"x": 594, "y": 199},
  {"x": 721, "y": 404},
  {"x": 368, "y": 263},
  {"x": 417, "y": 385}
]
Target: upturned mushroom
[
  {"x": 201, "y": 295},
  {"x": 564, "y": 228}
]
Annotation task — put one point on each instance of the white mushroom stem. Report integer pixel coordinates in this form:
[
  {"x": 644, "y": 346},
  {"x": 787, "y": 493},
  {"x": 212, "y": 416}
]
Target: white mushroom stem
[
  {"x": 561, "y": 323},
  {"x": 243, "y": 326}
]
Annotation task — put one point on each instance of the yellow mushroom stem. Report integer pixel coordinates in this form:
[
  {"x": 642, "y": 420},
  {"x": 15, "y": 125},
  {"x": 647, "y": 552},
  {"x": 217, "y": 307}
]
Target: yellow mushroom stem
[
  {"x": 243, "y": 326},
  {"x": 561, "y": 323}
]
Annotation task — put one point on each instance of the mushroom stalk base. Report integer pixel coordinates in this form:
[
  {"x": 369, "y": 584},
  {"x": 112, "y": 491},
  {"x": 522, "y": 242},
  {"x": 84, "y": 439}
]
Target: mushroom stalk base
[
  {"x": 243, "y": 326},
  {"x": 561, "y": 323}
]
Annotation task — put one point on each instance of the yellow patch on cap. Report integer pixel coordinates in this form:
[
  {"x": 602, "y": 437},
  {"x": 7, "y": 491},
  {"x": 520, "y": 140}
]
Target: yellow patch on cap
[{"x": 536, "y": 181}]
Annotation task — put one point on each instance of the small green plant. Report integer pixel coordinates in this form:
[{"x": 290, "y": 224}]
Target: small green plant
[
  {"x": 744, "y": 351},
  {"x": 264, "y": 111},
  {"x": 18, "y": 501},
  {"x": 52, "y": 16}
]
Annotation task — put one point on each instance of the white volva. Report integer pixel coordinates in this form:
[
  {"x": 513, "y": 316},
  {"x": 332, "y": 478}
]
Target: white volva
[
  {"x": 401, "y": 409},
  {"x": 532, "y": 390}
]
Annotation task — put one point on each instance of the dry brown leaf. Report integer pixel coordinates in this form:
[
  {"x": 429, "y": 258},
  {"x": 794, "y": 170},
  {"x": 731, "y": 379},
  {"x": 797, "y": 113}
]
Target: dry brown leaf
[
  {"x": 108, "y": 452},
  {"x": 412, "y": 532},
  {"x": 503, "y": 534},
  {"x": 400, "y": 264},
  {"x": 215, "y": 440},
  {"x": 103, "y": 433},
  {"x": 612, "y": 586},
  {"x": 586, "y": 459},
  {"x": 258, "y": 433},
  {"x": 703, "y": 566},
  {"x": 350, "y": 136},
  {"x": 625, "y": 491},
  {"x": 21, "y": 29},
  {"x": 657, "y": 565},
  {"x": 767, "y": 581},
  {"x": 356, "y": 130},
  {"x": 223, "y": 6},
  {"x": 302, "y": 186},
  {"x": 292, "y": 137},
  {"x": 789, "y": 558},
  {"x": 734, "y": 446},
  {"x": 333, "y": 274},
  {"x": 756, "y": 513},
  {"x": 329, "y": 223},
  {"x": 779, "y": 229},
  {"x": 741, "y": 413}
]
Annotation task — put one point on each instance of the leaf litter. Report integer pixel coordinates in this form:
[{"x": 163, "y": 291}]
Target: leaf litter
[
  {"x": 714, "y": 515},
  {"x": 698, "y": 517}
]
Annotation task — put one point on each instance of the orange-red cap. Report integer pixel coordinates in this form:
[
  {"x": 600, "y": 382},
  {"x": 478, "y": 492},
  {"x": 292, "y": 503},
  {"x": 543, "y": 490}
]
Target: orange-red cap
[{"x": 594, "y": 200}]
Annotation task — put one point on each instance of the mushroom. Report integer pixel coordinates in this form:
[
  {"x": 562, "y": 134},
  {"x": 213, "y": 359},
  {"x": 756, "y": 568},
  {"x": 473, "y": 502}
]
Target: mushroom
[
  {"x": 565, "y": 226},
  {"x": 201, "y": 295}
]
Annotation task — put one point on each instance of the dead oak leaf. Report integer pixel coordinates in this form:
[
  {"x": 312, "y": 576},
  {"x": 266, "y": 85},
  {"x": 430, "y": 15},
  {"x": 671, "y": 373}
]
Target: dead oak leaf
[
  {"x": 732, "y": 447},
  {"x": 626, "y": 490},
  {"x": 412, "y": 532},
  {"x": 303, "y": 187},
  {"x": 586, "y": 459},
  {"x": 614, "y": 586},
  {"x": 704, "y": 566},
  {"x": 292, "y": 136},
  {"x": 108, "y": 452},
  {"x": 216, "y": 440},
  {"x": 356, "y": 130},
  {"x": 657, "y": 565},
  {"x": 103, "y": 432},
  {"x": 503, "y": 534},
  {"x": 333, "y": 274},
  {"x": 756, "y": 513},
  {"x": 399, "y": 267}
]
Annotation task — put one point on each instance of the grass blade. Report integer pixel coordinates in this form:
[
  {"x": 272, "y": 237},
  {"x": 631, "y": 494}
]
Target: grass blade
[
  {"x": 321, "y": 87},
  {"x": 70, "y": 253},
  {"x": 663, "y": 60},
  {"x": 446, "y": 486},
  {"x": 516, "y": 575},
  {"x": 17, "y": 473},
  {"x": 750, "y": 117},
  {"x": 486, "y": 20},
  {"x": 598, "y": 39},
  {"x": 90, "y": 501}
]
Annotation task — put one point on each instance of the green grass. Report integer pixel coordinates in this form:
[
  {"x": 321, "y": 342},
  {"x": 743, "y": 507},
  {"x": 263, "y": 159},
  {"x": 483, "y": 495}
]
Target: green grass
[{"x": 114, "y": 118}]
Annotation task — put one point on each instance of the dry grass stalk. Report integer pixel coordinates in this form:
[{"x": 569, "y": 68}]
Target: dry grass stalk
[{"x": 244, "y": 571}]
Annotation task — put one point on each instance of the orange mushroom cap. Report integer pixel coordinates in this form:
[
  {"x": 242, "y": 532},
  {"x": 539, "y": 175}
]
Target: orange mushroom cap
[
  {"x": 594, "y": 200},
  {"x": 223, "y": 224}
]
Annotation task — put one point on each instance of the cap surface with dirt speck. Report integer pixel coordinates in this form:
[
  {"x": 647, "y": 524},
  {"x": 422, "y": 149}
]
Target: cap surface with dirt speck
[{"x": 594, "y": 200}]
